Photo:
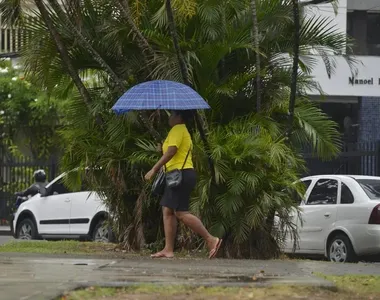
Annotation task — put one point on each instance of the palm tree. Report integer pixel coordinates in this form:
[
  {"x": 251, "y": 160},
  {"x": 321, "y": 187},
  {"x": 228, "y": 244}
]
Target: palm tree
[
  {"x": 143, "y": 44},
  {"x": 63, "y": 52},
  {"x": 219, "y": 62},
  {"x": 296, "y": 54}
]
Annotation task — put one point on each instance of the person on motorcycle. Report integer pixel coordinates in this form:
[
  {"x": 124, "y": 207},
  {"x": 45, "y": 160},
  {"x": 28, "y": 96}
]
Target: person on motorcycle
[{"x": 40, "y": 182}]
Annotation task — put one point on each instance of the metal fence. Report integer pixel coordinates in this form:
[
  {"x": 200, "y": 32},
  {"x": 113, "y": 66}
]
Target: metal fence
[
  {"x": 16, "y": 174},
  {"x": 354, "y": 159},
  {"x": 357, "y": 158}
]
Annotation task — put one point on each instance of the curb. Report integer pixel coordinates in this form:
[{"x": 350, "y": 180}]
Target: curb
[
  {"x": 266, "y": 282},
  {"x": 318, "y": 283}
]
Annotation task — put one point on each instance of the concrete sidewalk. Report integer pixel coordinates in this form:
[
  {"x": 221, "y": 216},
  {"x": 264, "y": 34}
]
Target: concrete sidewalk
[{"x": 25, "y": 276}]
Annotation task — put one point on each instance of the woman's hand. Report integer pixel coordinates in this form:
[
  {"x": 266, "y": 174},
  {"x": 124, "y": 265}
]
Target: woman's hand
[{"x": 150, "y": 174}]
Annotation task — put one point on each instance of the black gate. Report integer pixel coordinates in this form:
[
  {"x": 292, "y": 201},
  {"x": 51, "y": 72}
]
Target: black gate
[
  {"x": 354, "y": 159},
  {"x": 16, "y": 174}
]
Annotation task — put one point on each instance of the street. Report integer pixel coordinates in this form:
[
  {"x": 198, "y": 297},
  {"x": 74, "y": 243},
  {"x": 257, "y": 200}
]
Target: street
[
  {"x": 36, "y": 276},
  {"x": 5, "y": 239}
]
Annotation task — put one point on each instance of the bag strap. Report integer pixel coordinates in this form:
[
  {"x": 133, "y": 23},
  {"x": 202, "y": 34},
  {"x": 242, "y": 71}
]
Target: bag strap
[{"x": 187, "y": 156}]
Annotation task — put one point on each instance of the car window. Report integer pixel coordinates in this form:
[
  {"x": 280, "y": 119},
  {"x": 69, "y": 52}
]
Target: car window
[
  {"x": 307, "y": 184},
  {"x": 58, "y": 188},
  {"x": 292, "y": 192},
  {"x": 346, "y": 195},
  {"x": 297, "y": 197},
  {"x": 371, "y": 187},
  {"x": 325, "y": 191}
]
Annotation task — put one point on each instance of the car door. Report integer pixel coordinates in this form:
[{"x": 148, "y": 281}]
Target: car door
[
  {"x": 84, "y": 206},
  {"x": 289, "y": 238},
  {"x": 319, "y": 214},
  {"x": 54, "y": 208}
]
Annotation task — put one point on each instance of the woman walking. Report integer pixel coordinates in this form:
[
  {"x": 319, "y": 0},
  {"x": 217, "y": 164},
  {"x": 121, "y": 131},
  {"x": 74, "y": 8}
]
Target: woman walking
[{"x": 177, "y": 155}]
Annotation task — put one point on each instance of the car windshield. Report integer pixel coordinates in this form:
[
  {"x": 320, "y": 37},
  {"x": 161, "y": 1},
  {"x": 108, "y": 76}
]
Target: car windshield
[{"x": 371, "y": 187}]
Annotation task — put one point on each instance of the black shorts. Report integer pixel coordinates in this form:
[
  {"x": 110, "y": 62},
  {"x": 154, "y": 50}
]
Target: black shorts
[{"x": 178, "y": 198}]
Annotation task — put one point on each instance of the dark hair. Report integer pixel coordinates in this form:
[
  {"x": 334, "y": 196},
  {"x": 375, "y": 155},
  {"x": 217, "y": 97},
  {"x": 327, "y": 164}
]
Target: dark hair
[{"x": 186, "y": 115}]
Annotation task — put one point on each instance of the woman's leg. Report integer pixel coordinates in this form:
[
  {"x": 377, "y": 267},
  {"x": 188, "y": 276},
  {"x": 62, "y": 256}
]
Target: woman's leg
[
  {"x": 197, "y": 226},
  {"x": 170, "y": 228}
]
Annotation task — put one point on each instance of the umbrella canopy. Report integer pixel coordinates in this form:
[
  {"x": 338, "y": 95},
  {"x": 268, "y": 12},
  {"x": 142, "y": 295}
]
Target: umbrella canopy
[{"x": 160, "y": 94}]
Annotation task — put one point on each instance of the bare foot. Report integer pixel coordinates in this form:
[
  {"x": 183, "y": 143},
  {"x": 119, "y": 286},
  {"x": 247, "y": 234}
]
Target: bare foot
[
  {"x": 163, "y": 254},
  {"x": 212, "y": 242},
  {"x": 214, "y": 250}
]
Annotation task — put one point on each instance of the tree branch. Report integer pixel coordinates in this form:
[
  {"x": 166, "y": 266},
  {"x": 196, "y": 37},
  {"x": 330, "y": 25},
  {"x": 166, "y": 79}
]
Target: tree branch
[
  {"x": 293, "y": 86},
  {"x": 64, "y": 53}
]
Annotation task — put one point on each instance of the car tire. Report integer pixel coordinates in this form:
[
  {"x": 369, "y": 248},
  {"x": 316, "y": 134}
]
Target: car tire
[
  {"x": 102, "y": 233},
  {"x": 27, "y": 230},
  {"x": 340, "y": 250}
]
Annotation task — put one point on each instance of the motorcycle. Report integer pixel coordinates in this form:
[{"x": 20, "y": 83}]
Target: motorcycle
[{"x": 20, "y": 200}]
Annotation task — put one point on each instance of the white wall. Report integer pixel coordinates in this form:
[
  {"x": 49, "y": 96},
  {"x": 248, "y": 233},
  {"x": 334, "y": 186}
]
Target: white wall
[
  {"x": 339, "y": 18},
  {"x": 367, "y": 68},
  {"x": 373, "y": 5}
]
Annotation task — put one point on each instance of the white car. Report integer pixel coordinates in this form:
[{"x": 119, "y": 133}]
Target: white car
[
  {"x": 57, "y": 213},
  {"x": 341, "y": 217}
]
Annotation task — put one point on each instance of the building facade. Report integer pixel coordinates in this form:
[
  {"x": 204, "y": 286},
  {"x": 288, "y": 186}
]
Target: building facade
[{"x": 352, "y": 93}]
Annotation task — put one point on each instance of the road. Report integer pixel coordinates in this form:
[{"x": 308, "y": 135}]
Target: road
[
  {"x": 42, "y": 276},
  {"x": 5, "y": 239}
]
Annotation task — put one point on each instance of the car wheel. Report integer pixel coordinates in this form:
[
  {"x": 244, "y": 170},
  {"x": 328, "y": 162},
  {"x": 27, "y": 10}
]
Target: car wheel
[
  {"x": 340, "y": 249},
  {"x": 102, "y": 233},
  {"x": 26, "y": 230}
]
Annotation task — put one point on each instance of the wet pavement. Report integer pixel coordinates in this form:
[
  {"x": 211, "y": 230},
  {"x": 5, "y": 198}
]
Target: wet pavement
[
  {"x": 5, "y": 239},
  {"x": 27, "y": 276}
]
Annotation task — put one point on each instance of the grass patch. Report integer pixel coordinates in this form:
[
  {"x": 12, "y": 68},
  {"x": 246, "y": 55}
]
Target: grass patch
[
  {"x": 154, "y": 292},
  {"x": 360, "y": 284},
  {"x": 57, "y": 247}
]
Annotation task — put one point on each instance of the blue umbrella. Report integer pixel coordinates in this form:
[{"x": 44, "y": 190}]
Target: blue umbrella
[{"x": 159, "y": 94}]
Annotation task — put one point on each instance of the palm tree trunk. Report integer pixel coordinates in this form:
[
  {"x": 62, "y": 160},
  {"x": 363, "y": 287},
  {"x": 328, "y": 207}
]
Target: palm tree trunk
[
  {"x": 256, "y": 44},
  {"x": 173, "y": 32},
  {"x": 64, "y": 53},
  {"x": 199, "y": 120},
  {"x": 293, "y": 86},
  {"x": 142, "y": 42},
  {"x": 293, "y": 90},
  {"x": 120, "y": 84}
]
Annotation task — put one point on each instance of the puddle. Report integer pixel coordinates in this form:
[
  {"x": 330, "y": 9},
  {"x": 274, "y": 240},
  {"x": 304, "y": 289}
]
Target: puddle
[
  {"x": 197, "y": 277},
  {"x": 244, "y": 279},
  {"x": 75, "y": 262}
]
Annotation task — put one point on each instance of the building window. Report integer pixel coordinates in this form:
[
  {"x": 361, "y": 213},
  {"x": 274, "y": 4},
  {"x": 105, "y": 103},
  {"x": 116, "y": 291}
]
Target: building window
[
  {"x": 350, "y": 31},
  {"x": 373, "y": 36}
]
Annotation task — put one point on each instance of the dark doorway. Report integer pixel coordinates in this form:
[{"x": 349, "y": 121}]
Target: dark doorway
[{"x": 346, "y": 115}]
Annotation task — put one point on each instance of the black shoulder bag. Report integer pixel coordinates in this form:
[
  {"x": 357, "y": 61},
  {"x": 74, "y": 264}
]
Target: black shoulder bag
[
  {"x": 170, "y": 179},
  {"x": 174, "y": 178},
  {"x": 158, "y": 186}
]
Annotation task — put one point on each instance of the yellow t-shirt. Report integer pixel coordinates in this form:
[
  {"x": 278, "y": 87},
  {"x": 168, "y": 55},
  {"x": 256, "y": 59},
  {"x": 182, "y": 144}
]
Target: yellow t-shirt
[{"x": 179, "y": 137}]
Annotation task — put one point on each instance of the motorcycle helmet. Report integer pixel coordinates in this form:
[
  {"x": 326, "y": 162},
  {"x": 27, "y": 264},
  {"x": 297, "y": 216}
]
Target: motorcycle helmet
[{"x": 39, "y": 176}]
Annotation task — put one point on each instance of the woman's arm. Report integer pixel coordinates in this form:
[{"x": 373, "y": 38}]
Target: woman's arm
[{"x": 172, "y": 150}]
